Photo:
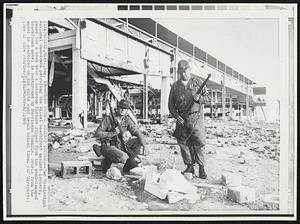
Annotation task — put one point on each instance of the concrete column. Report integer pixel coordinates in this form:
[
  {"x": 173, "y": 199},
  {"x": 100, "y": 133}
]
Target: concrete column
[
  {"x": 100, "y": 105},
  {"x": 216, "y": 103},
  {"x": 223, "y": 101},
  {"x": 247, "y": 107},
  {"x": 145, "y": 98},
  {"x": 211, "y": 104},
  {"x": 57, "y": 112},
  {"x": 79, "y": 89},
  {"x": 164, "y": 96},
  {"x": 240, "y": 111},
  {"x": 230, "y": 105}
]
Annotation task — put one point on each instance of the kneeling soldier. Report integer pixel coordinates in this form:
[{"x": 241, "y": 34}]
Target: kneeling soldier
[{"x": 109, "y": 137}]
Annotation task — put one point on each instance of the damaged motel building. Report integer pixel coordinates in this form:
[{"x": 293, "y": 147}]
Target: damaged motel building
[{"x": 95, "y": 60}]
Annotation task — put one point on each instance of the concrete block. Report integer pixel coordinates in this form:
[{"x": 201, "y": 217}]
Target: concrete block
[
  {"x": 231, "y": 179},
  {"x": 74, "y": 169},
  {"x": 241, "y": 194}
]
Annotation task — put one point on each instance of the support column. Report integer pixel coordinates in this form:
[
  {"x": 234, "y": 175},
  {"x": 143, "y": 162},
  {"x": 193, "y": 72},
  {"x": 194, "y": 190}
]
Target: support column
[
  {"x": 211, "y": 104},
  {"x": 100, "y": 106},
  {"x": 223, "y": 101},
  {"x": 79, "y": 89},
  {"x": 240, "y": 111},
  {"x": 230, "y": 105},
  {"x": 145, "y": 98},
  {"x": 216, "y": 103},
  {"x": 164, "y": 95},
  {"x": 57, "y": 112},
  {"x": 247, "y": 107}
]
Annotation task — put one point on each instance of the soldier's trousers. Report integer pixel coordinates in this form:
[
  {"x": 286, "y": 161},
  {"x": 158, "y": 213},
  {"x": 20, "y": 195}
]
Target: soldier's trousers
[
  {"x": 192, "y": 140},
  {"x": 112, "y": 154}
]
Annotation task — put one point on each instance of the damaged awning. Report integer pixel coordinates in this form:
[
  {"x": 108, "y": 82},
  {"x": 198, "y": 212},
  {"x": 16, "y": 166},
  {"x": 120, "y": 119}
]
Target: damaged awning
[{"x": 110, "y": 86}]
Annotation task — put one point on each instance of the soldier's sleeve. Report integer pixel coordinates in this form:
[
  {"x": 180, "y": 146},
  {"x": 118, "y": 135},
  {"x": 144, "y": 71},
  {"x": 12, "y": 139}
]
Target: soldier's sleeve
[
  {"x": 133, "y": 129},
  {"x": 171, "y": 103},
  {"x": 101, "y": 131},
  {"x": 204, "y": 93}
]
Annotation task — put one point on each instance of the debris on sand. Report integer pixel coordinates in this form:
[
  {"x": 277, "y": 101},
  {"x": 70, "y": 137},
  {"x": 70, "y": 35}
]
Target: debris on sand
[
  {"x": 170, "y": 180},
  {"x": 142, "y": 171},
  {"x": 70, "y": 139},
  {"x": 155, "y": 185},
  {"x": 113, "y": 173}
]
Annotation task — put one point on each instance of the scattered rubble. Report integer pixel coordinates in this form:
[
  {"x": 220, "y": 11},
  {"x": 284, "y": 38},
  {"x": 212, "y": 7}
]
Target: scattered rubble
[
  {"x": 271, "y": 201},
  {"x": 158, "y": 184},
  {"x": 55, "y": 145},
  {"x": 113, "y": 173},
  {"x": 70, "y": 139},
  {"x": 261, "y": 139}
]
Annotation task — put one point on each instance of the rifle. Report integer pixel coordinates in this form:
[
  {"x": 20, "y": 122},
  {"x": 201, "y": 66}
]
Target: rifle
[
  {"x": 124, "y": 147},
  {"x": 191, "y": 102},
  {"x": 179, "y": 131}
]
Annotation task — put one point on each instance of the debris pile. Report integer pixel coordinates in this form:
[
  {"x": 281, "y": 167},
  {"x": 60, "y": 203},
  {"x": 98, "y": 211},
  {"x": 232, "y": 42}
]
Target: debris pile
[
  {"x": 60, "y": 122},
  {"x": 157, "y": 184},
  {"x": 69, "y": 139},
  {"x": 263, "y": 140},
  {"x": 161, "y": 134}
]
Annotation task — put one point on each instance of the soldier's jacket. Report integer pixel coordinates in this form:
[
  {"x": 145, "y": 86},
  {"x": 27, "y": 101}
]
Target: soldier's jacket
[
  {"x": 181, "y": 94},
  {"x": 105, "y": 130}
]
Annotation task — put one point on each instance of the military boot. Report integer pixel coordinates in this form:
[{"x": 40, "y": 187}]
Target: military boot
[
  {"x": 189, "y": 169},
  {"x": 130, "y": 164},
  {"x": 202, "y": 173},
  {"x": 97, "y": 149}
]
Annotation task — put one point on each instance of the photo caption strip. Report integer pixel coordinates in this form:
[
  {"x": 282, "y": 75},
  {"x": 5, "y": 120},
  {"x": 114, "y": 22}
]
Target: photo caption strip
[{"x": 29, "y": 116}]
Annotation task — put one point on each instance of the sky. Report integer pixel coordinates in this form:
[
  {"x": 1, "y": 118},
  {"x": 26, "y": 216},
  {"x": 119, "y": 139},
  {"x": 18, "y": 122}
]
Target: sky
[{"x": 249, "y": 46}]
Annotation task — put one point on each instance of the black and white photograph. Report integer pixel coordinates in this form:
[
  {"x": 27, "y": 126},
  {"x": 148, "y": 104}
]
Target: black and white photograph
[{"x": 150, "y": 111}]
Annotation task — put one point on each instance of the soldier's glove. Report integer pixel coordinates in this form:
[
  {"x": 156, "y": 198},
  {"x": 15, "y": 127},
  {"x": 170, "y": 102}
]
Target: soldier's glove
[
  {"x": 180, "y": 120},
  {"x": 116, "y": 131},
  {"x": 197, "y": 97}
]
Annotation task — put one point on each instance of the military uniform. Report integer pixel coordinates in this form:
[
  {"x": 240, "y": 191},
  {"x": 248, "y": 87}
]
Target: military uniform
[
  {"x": 110, "y": 142},
  {"x": 190, "y": 136}
]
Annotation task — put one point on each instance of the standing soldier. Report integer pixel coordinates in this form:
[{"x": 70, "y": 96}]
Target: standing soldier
[{"x": 190, "y": 130}]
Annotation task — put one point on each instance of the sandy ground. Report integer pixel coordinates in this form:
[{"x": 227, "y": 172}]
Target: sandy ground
[{"x": 225, "y": 143}]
